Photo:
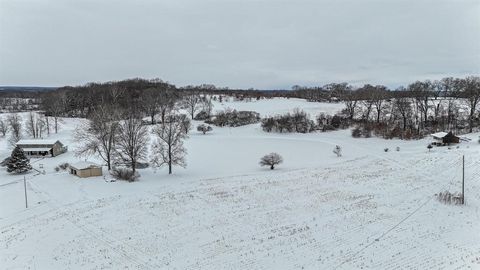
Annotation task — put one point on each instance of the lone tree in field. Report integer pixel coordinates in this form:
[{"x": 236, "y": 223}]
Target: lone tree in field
[
  {"x": 271, "y": 160},
  {"x": 204, "y": 128},
  {"x": 18, "y": 163},
  {"x": 337, "y": 151},
  {"x": 168, "y": 149}
]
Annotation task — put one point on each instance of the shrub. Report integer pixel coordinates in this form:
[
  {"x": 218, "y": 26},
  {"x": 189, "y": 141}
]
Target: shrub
[
  {"x": 124, "y": 174},
  {"x": 234, "y": 118},
  {"x": 204, "y": 128},
  {"x": 450, "y": 198},
  {"x": 268, "y": 124},
  {"x": 202, "y": 116},
  {"x": 63, "y": 166},
  {"x": 322, "y": 120},
  {"x": 141, "y": 165},
  {"x": 336, "y": 121},
  {"x": 429, "y": 147},
  {"x": 408, "y": 134},
  {"x": 386, "y": 149},
  {"x": 398, "y": 148},
  {"x": 298, "y": 121},
  {"x": 57, "y": 169},
  {"x": 396, "y": 132},
  {"x": 367, "y": 131},
  {"x": 337, "y": 151},
  {"x": 362, "y": 131},
  {"x": 356, "y": 132},
  {"x": 328, "y": 128}
]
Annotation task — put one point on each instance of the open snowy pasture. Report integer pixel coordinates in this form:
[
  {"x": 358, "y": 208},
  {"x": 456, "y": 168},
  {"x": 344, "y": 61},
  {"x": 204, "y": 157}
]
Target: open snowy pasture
[
  {"x": 274, "y": 106},
  {"x": 368, "y": 209}
]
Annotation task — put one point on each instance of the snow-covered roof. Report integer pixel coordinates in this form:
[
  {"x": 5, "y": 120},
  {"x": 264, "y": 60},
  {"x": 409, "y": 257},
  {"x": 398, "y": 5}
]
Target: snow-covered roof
[
  {"x": 37, "y": 141},
  {"x": 36, "y": 149},
  {"x": 82, "y": 165},
  {"x": 439, "y": 134}
]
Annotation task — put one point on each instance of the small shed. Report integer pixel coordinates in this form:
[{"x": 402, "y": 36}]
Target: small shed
[
  {"x": 85, "y": 169},
  {"x": 443, "y": 138}
]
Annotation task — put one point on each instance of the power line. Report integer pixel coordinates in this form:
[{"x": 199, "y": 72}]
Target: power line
[
  {"x": 395, "y": 226},
  {"x": 105, "y": 240}
]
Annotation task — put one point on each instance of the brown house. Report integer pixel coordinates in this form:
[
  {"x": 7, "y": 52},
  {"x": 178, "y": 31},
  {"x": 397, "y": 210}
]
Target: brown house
[
  {"x": 85, "y": 169},
  {"x": 42, "y": 148}
]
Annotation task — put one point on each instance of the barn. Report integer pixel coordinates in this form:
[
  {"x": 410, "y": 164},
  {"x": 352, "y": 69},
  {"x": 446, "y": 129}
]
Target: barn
[
  {"x": 444, "y": 138},
  {"x": 85, "y": 169},
  {"x": 41, "y": 147}
]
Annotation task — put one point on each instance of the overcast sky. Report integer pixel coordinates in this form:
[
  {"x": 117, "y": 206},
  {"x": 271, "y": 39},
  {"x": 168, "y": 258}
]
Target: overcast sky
[{"x": 263, "y": 44}]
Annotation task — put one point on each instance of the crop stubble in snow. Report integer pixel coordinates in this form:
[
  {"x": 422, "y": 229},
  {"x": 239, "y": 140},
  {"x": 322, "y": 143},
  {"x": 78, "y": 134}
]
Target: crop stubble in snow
[{"x": 311, "y": 218}]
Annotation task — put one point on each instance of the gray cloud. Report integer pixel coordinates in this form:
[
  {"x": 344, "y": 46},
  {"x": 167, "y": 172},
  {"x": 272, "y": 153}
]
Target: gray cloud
[{"x": 238, "y": 43}]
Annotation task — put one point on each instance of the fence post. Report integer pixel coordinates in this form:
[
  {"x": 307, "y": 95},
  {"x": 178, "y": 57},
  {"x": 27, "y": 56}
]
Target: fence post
[{"x": 25, "y": 189}]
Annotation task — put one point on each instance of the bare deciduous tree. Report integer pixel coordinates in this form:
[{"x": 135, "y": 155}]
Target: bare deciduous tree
[
  {"x": 35, "y": 125},
  {"x": 403, "y": 107},
  {"x": 380, "y": 94},
  {"x": 470, "y": 89},
  {"x": 97, "y": 136},
  {"x": 350, "y": 99},
  {"x": 365, "y": 95},
  {"x": 54, "y": 104},
  {"x": 4, "y": 128},
  {"x": 271, "y": 160},
  {"x": 191, "y": 103},
  {"x": 131, "y": 141},
  {"x": 449, "y": 91},
  {"x": 422, "y": 91},
  {"x": 168, "y": 149},
  {"x": 115, "y": 93},
  {"x": 207, "y": 106},
  {"x": 186, "y": 123},
  {"x": 15, "y": 123},
  {"x": 151, "y": 99}
]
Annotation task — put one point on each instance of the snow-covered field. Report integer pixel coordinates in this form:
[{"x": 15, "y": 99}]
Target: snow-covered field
[
  {"x": 270, "y": 107},
  {"x": 368, "y": 209}
]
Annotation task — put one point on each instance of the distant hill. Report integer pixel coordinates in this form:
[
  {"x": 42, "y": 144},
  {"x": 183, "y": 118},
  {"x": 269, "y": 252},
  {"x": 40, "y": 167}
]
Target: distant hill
[{"x": 25, "y": 88}]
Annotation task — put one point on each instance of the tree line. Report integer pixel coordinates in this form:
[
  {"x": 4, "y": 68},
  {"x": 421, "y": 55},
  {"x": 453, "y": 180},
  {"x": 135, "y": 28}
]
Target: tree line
[
  {"x": 418, "y": 108},
  {"x": 415, "y": 110}
]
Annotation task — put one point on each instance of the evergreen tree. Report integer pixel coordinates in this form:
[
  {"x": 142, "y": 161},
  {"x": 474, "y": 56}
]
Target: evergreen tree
[{"x": 18, "y": 163}]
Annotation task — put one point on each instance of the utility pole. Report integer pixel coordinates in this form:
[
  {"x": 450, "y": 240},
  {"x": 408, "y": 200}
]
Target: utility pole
[
  {"x": 25, "y": 188},
  {"x": 463, "y": 179}
]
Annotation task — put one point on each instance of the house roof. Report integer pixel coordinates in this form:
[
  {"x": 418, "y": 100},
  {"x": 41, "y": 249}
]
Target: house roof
[
  {"x": 37, "y": 142},
  {"x": 82, "y": 165},
  {"x": 439, "y": 134},
  {"x": 37, "y": 149}
]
